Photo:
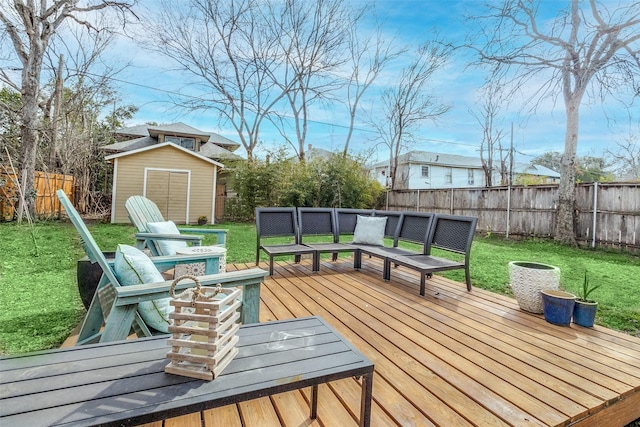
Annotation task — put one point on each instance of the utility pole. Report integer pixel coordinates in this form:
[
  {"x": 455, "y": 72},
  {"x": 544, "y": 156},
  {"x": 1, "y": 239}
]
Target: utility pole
[{"x": 509, "y": 183}]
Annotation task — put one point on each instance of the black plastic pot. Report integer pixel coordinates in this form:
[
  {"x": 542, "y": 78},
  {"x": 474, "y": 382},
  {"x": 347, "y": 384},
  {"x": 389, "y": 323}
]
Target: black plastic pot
[{"x": 88, "y": 276}]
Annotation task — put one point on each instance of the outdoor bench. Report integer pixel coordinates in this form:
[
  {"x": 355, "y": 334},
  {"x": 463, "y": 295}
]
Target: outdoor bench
[
  {"x": 360, "y": 231},
  {"x": 410, "y": 227},
  {"x": 451, "y": 233}
]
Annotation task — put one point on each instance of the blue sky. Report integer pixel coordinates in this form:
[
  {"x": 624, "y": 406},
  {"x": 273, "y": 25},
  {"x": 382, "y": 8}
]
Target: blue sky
[{"x": 149, "y": 84}]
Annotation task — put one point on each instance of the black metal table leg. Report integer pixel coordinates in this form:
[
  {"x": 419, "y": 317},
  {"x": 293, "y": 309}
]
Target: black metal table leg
[
  {"x": 365, "y": 404},
  {"x": 314, "y": 402}
]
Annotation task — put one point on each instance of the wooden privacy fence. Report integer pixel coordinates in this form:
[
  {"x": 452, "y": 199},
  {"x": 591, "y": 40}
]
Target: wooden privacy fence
[
  {"x": 608, "y": 213},
  {"x": 45, "y": 184}
]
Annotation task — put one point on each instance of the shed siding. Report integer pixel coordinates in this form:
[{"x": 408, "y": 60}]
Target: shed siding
[{"x": 130, "y": 176}]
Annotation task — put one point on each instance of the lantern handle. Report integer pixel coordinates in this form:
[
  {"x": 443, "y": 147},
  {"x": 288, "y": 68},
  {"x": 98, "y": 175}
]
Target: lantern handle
[{"x": 196, "y": 293}]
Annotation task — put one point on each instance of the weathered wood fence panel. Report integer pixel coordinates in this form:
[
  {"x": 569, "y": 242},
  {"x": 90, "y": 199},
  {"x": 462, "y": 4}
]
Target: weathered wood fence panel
[
  {"x": 530, "y": 211},
  {"x": 45, "y": 184}
]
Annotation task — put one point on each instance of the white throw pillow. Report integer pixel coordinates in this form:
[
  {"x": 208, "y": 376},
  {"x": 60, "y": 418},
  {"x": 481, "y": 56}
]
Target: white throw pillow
[
  {"x": 167, "y": 247},
  {"x": 133, "y": 267},
  {"x": 370, "y": 230}
]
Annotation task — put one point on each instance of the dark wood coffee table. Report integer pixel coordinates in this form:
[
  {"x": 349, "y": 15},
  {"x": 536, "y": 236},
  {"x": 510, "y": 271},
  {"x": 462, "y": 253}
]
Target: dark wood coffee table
[{"x": 123, "y": 383}]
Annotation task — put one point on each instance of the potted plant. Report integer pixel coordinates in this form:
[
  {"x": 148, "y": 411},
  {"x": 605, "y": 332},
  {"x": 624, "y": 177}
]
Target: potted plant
[
  {"x": 202, "y": 220},
  {"x": 584, "y": 311},
  {"x": 558, "y": 306},
  {"x": 527, "y": 279}
]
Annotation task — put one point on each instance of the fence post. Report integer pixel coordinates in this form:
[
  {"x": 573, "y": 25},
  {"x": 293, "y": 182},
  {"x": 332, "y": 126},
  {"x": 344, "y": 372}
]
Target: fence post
[
  {"x": 451, "y": 206},
  {"x": 508, "y": 210},
  {"x": 595, "y": 213}
]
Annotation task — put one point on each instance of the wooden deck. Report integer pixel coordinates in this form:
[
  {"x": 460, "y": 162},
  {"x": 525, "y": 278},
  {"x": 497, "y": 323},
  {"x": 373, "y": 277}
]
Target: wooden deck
[{"x": 451, "y": 358}]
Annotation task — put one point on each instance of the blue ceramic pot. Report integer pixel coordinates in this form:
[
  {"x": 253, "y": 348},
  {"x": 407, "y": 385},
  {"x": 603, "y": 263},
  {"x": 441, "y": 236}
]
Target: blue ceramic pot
[
  {"x": 558, "y": 306},
  {"x": 584, "y": 313}
]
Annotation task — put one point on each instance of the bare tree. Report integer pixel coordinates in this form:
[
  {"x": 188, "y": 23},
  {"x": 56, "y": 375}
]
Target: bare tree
[
  {"x": 83, "y": 89},
  {"x": 584, "y": 47},
  {"x": 406, "y": 103},
  {"x": 313, "y": 43},
  {"x": 368, "y": 57},
  {"x": 488, "y": 116},
  {"x": 30, "y": 25},
  {"x": 626, "y": 157},
  {"x": 226, "y": 48}
]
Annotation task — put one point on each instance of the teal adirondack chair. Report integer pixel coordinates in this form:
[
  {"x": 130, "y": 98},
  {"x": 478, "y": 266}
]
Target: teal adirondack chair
[
  {"x": 142, "y": 211},
  {"x": 112, "y": 314}
]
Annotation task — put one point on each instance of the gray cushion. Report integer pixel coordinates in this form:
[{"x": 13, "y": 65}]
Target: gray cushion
[
  {"x": 166, "y": 247},
  {"x": 370, "y": 230}
]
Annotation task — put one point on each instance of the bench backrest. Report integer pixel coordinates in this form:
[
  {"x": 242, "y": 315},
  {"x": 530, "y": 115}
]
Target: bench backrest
[
  {"x": 414, "y": 227},
  {"x": 317, "y": 222},
  {"x": 141, "y": 210},
  {"x": 346, "y": 219},
  {"x": 276, "y": 222},
  {"x": 453, "y": 233},
  {"x": 393, "y": 220}
]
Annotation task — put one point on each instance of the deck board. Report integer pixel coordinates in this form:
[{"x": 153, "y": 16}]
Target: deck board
[{"x": 450, "y": 358}]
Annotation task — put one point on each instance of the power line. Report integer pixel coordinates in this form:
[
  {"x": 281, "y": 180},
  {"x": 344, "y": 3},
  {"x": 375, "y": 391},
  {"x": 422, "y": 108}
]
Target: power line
[{"x": 334, "y": 125}]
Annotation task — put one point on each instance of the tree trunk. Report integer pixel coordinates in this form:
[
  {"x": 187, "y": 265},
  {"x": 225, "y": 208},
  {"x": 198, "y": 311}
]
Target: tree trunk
[
  {"x": 29, "y": 143},
  {"x": 566, "y": 214}
]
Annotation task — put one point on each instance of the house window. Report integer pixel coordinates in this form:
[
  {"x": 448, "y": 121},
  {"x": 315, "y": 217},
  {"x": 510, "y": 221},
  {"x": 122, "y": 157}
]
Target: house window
[
  {"x": 188, "y": 143},
  {"x": 425, "y": 171},
  {"x": 470, "y": 176},
  {"x": 448, "y": 176}
]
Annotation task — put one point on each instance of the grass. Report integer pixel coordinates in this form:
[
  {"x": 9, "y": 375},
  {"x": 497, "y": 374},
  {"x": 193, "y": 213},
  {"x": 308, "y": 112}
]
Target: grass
[{"x": 40, "y": 305}]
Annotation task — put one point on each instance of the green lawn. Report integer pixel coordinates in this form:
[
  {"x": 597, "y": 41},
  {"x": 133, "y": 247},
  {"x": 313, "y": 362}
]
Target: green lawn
[{"x": 40, "y": 305}]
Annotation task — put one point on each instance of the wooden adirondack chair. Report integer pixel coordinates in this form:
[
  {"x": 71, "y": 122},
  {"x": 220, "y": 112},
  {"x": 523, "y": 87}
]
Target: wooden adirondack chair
[
  {"x": 142, "y": 211},
  {"x": 113, "y": 314}
]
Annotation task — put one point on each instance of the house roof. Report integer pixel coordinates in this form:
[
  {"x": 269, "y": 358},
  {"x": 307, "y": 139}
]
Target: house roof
[
  {"x": 215, "y": 151},
  {"x": 164, "y": 144},
  {"x": 178, "y": 128},
  {"x": 453, "y": 160},
  {"x": 132, "y": 144},
  {"x": 428, "y": 157},
  {"x": 533, "y": 169}
]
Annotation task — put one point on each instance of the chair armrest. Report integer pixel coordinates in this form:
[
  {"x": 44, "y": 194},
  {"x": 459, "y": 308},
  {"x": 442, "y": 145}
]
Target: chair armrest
[
  {"x": 158, "y": 236},
  {"x": 133, "y": 294},
  {"x": 220, "y": 233},
  {"x": 167, "y": 262}
]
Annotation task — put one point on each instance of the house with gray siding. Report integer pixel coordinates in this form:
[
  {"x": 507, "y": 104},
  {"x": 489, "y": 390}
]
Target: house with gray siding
[{"x": 422, "y": 170}]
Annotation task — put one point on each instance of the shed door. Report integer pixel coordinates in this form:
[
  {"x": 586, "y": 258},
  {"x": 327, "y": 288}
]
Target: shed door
[{"x": 169, "y": 190}]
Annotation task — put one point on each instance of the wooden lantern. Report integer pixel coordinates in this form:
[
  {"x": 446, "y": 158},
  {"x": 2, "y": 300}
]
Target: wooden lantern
[{"x": 204, "y": 327}]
